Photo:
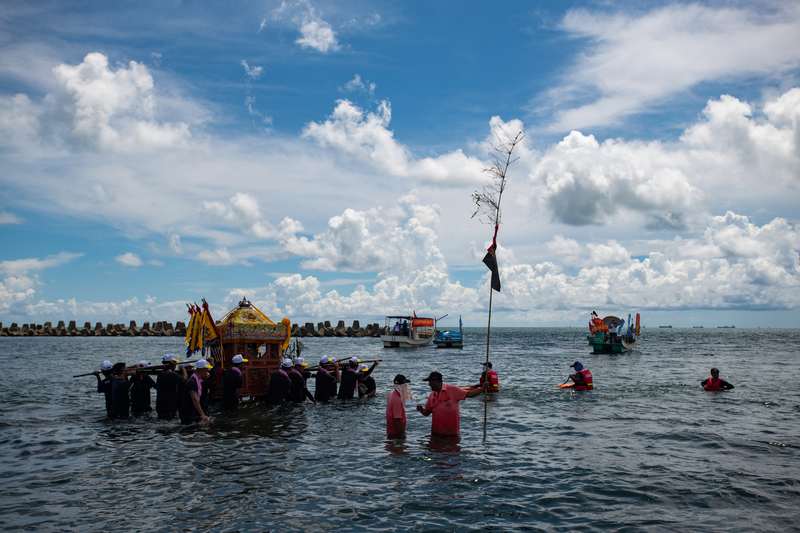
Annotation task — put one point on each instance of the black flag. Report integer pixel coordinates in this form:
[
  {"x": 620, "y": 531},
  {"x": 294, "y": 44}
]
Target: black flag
[{"x": 491, "y": 261}]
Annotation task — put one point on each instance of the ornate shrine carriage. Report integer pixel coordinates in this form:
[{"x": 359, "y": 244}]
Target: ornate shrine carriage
[{"x": 247, "y": 331}]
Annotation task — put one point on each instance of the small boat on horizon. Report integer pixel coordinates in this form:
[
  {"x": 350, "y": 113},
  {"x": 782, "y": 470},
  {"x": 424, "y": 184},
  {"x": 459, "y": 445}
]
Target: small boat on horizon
[{"x": 665, "y": 327}]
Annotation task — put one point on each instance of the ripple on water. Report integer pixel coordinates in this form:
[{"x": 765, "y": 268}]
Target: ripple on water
[{"x": 646, "y": 450}]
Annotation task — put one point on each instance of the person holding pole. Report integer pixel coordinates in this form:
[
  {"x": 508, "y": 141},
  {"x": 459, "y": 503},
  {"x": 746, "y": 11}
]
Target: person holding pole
[
  {"x": 104, "y": 384},
  {"x": 280, "y": 384},
  {"x": 191, "y": 410},
  {"x": 120, "y": 393},
  {"x": 232, "y": 383},
  {"x": 326, "y": 383},
  {"x": 168, "y": 394},
  {"x": 299, "y": 392},
  {"x": 366, "y": 383},
  {"x": 140, "y": 393},
  {"x": 443, "y": 403}
]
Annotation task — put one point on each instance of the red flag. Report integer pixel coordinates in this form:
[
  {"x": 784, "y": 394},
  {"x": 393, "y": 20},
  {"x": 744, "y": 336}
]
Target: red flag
[{"x": 490, "y": 260}]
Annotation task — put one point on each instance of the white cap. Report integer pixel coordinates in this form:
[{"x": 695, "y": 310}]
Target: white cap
[
  {"x": 239, "y": 359},
  {"x": 106, "y": 365},
  {"x": 170, "y": 358},
  {"x": 186, "y": 365},
  {"x": 143, "y": 363},
  {"x": 202, "y": 363},
  {"x": 363, "y": 367},
  {"x": 286, "y": 363},
  {"x": 299, "y": 361},
  {"x": 324, "y": 360},
  {"x": 355, "y": 360}
]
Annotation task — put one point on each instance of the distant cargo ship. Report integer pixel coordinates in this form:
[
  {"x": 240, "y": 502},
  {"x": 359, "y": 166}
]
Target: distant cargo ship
[
  {"x": 665, "y": 326},
  {"x": 726, "y": 327}
]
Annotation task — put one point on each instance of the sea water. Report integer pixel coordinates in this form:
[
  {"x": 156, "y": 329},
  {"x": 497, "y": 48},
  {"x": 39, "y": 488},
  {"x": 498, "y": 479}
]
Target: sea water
[{"x": 647, "y": 450}]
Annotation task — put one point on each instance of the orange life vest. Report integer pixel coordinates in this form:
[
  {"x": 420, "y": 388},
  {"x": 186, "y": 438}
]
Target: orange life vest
[
  {"x": 587, "y": 381},
  {"x": 712, "y": 385},
  {"x": 493, "y": 381}
]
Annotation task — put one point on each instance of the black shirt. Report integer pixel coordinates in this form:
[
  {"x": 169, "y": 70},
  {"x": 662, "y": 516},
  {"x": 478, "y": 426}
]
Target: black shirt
[
  {"x": 347, "y": 387},
  {"x": 299, "y": 391},
  {"x": 188, "y": 411},
  {"x": 105, "y": 387},
  {"x": 207, "y": 384},
  {"x": 231, "y": 382},
  {"x": 168, "y": 394},
  {"x": 322, "y": 393},
  {"x": 366, "y": 385},
  {"x": 279, "y": 387},
  {"x": 140, "y": 393},
  {"x": 120, "y": 398}
]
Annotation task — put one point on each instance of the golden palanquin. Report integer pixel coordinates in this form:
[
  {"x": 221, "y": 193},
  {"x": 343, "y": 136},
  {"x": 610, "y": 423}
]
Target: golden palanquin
[{"x": 247, "y": 331}]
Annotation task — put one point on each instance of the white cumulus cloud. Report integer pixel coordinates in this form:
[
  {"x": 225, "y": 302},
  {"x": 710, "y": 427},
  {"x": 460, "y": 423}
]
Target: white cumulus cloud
[
  {"x": 315, "y": 33},
  {"x": 731, "y": 154},
  {"x": 129, "y": 259},
  {"x": 365, "y": 135},
  {"x": 95, "y": 107},
  {"x": 378, "y": 239}
]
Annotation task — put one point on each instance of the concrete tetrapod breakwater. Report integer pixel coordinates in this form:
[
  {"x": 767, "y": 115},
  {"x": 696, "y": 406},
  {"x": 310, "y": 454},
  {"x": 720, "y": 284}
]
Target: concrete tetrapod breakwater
[
  {"x": 166, "y": 329},
  {"x": 158, "y": 329}
]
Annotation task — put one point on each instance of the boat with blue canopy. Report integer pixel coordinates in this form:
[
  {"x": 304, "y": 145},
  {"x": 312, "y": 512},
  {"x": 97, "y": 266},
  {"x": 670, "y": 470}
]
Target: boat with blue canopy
[{"x": 449, "y": 339}]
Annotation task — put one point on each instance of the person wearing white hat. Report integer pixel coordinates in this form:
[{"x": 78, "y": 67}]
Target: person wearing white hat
[
  {"x": 120, "y": 393},
  {"x": 232, "y": 383},
  {"x": 280, "y": 384},
  {"x": 191, "y": 410},
  {"x": 140, "y": 393},
  {"x": 366, "y": 383},
  {"x": 299, "y": 391},
  {"x": 349, "y": 380},
  {"x": 326, "y": 383},
  {"x": 168, "y": 392},
  {"x": 104, "y": 383}
]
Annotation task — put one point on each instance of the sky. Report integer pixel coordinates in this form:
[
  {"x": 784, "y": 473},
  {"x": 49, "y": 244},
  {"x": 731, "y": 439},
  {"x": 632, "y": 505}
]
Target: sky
[{"x": 319, "y": 159}]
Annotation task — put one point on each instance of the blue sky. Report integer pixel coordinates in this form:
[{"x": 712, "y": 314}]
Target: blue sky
[{"x": 319, "y": 158}]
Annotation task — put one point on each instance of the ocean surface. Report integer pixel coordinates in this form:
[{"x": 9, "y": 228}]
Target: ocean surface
[{"x": 647, "y": 450}]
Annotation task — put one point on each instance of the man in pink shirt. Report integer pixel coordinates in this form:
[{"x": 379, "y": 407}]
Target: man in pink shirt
[
  {"x": 443, "y": 403},
  {"x": 396, "y": 409}
]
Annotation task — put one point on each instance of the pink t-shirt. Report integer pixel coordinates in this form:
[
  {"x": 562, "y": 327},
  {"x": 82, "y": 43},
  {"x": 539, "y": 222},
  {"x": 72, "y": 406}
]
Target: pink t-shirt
[
  {"x": 445, "y": 409},
  {"x": 394, "y": 409}
]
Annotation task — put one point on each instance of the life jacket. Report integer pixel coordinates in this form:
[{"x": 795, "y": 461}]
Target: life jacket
[
  {"x": 587, "y": 381},
  {"x": 493, "y": 381},
  {"x": 712, "y": 385}
]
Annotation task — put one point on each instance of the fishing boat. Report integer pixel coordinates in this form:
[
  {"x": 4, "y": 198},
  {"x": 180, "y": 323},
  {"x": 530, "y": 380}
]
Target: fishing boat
[
  {"x": 408, "y": 331},
  {"x": 599, "y": 338},
  {"x": 449, "y": 339}
]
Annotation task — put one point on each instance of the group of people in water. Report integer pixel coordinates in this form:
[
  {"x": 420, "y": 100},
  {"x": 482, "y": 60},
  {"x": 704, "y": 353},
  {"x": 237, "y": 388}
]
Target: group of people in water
[{"x": 184, "y": 390}]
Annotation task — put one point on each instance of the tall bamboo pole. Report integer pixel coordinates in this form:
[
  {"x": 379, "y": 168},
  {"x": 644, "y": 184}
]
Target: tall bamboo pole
[{"x": 486, "y": 367}]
